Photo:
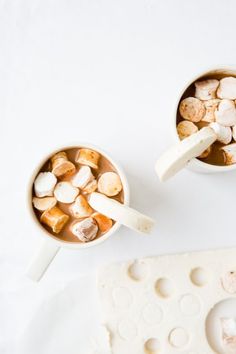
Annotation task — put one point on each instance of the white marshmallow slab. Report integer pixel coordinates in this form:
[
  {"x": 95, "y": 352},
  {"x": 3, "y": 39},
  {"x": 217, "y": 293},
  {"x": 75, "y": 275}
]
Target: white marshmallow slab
[{"x": 164, "y": 301}]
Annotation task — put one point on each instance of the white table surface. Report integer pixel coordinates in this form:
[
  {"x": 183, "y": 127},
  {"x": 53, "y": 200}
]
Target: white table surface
[{"x": 106, "y": 72}]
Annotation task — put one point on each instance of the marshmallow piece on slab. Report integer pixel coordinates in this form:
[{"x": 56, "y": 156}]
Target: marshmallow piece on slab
[
  {"x": 82, "y": 177},
  {"x": 210, "y": 106},
  {"x": 91, "y": 186},
  {"x": 104, "y": 223},
  {"x": 81, "y": 208},
  {"x": 229, "y": 334},
  {"x": 61, "y": 166},
  {"x": 88, "y": 157},
  {"x": 228, "y": 282},
  {"x": 226, "y": 113},
  {"x": 45, "y": 203},
  {"x": 64, "y": 192},
  {"x": 224, "y": 134},
  {"x": 186, "y": 128},
  {"x": 227, "y": 88},
  {"x": 192, "y": 109},
  {"x": 229, "y": 153},
  {"x": 206, "y": 89},
  {"x": 54, "y": 218},
  {"x": 109, "y": 184},
  {"x": 44, "y": 184},
  {"x": 86, "y": 230}
]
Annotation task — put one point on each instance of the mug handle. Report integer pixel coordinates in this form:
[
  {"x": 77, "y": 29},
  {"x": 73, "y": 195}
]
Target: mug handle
[
  {"x": 177, "y": 156},
  {"x": 42, "y": 259},
  {"x": 121, "y": 213}
]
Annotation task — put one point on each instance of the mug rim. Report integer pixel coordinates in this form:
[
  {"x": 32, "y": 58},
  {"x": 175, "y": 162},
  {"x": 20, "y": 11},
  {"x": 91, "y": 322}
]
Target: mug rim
[
  {"x": 195, "y": 161},
  {"x": 45, "y": 233}
]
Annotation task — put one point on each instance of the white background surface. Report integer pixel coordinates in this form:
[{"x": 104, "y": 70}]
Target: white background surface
[{"x": 106, "y": 72}]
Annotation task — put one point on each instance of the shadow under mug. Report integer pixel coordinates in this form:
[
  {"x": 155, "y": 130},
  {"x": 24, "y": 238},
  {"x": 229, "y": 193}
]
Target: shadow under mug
[
  {"x": 52, "y": 244},
  {"x": 184, "y": 152}
]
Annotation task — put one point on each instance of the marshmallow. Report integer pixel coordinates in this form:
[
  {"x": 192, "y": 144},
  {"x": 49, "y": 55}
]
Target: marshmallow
[
  {"x": 185, "y": 129},
  {"x": 234, "y": 132},
  {"x": 226, "y": 113},
  {"x": 227, "y": 88},
  {"x": 192, "y": 109},
  {"x": 44, "y": 184},
  {"x": 229, "y": 282},
  {"x": 64, "y": 192},
  {"x": 205, "y": 153},
  {"x": 61, "y": 166},
  {"x": 81, "y": 208},
  {"x": 91, "y": 186},
  {"x": 224, "y": 134},
  {"x": 54, "y": 218},
  {"x": 229, "y": 333},
  {"x": 88, "y": 157},
  {"x": 210, "y": 106},
  {"x": 109, "y": 184},
  {"x": 104, "y": 223},
  {"x": 229, "y": 153},
  {"x": 82, "y": 177},
  {"x": 45, "y": 203},
  {"x": 86, "y": 230},
  {"x": 205, "y": 90}
]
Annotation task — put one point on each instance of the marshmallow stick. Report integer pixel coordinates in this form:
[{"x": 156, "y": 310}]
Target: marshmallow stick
[
  {"x": 121, "y": 213},
  {"x": 177, "y": 157}
]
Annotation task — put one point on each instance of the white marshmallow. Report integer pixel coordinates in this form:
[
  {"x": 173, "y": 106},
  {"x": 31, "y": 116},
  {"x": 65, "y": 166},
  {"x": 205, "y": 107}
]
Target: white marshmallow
[
  {"x": 109, "y": 184},
  {"x": 210, "y": 106},
  {"x": 229, "y": 153},
  {"x": 226, "y": 113},
  {"x": 234, "y": 132},
  {"x": 45, "y": 203},
  {"x": 65, "y": 193},
  {"x": 227, "y": 88},
  {"x": 224, "y": 134},
  {"x": 81, "y": 208},
  {"x": 192, "y": 109},
  {"x": 82, "y": 177},
  {"x": 86, "y": 230},
  {"x": 205, "y": 90},
  {"x": 186, "y": 128},
  {"x": 44, "y": 184}
]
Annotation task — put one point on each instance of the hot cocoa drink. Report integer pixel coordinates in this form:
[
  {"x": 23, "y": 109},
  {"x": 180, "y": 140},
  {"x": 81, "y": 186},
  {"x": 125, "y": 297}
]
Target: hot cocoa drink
[{"x": 62, "y": 189}]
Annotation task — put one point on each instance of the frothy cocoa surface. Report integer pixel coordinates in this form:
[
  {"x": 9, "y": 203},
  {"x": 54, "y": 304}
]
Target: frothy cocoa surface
[{"x": 104, "y": 165}]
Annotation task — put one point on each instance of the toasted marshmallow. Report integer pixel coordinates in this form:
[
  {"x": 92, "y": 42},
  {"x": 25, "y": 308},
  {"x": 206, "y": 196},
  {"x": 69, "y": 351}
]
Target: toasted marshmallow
[
  {"x": 224, "y": 134},
  {"x": 205, "y": 153},
  {"x": 91, "y": 186},
  {"x": 86, "y": 230},
  {"x": 210, "y": 106},
  {"x": 226, "y": 113},
  {"x": 61, "y": 166},
  {"x": 54, "y": 218},
  {"x": 44, "y": 184},
  {"x": 229, "y": 333},
  {"x": 234, "y": 132},
  {"x": 81, "y": 208},
  {"x": 109, "y": 184},
  {"x": 185, "y": 129},
  {"x": 228, "y": 282},
  {"x": 229, "y": 153},
  {"x": 192, "y": 109},
  {"x": 227, "y": 88},
  {"x": 45, "y": 203},
  {"x": 104, "y": 223},
  {"x": 88, "y": 157},
  {"x": 64, "y": 192},
  {"x": 206, "y": 90},
  {"x": 82, "y": 177}
]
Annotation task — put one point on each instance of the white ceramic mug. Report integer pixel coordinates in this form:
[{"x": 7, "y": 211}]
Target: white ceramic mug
[
  {"x": 184, "y": 152},
  {"x": 51, "y": 244}
]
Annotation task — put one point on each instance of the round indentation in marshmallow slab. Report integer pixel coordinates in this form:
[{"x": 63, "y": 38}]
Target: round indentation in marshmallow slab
[
  {"x": 152, "y": 314},
  {"x": 164, "y": 287},
  {"x": 199, "y": 276},
  {"x": 178, "y": 337},
  {"x": 127, "y": 330},
  {"x": 138, "y": 270},
  {"x": 122, "y": 297},
  {"x": 152, "y": 346},
  {"x": 190, "y": 305}
]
